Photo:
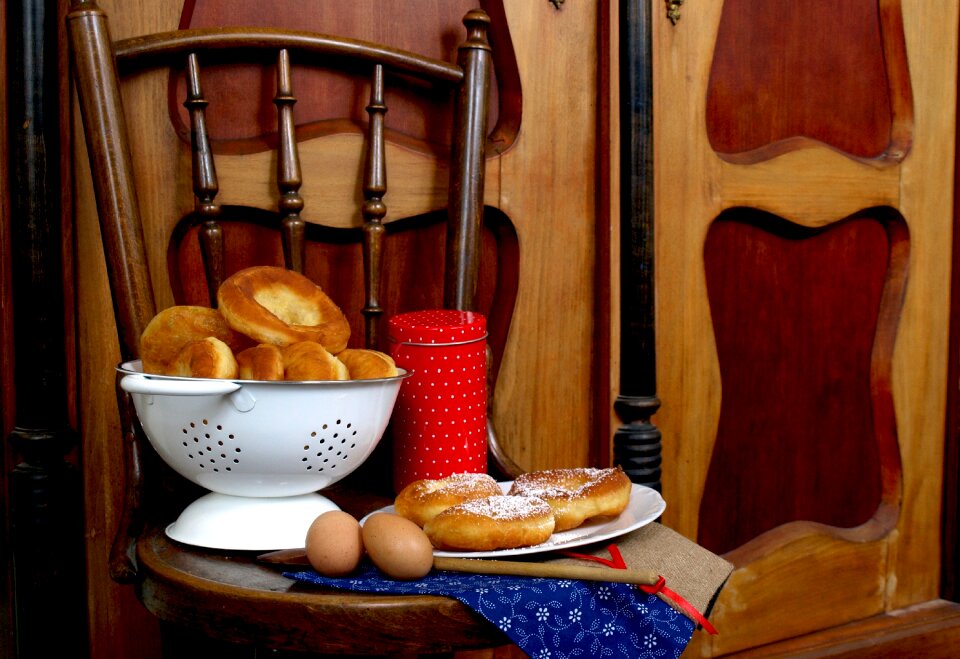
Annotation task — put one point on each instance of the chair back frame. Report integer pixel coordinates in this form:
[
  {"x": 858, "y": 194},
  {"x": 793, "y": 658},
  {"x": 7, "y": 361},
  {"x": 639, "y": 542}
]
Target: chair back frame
[{"x": 96, "y": 63}]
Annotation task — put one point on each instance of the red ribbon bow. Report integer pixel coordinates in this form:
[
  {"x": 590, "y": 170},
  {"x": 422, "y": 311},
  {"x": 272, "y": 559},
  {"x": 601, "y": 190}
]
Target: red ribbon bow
[{"x": 659, "y": 588}]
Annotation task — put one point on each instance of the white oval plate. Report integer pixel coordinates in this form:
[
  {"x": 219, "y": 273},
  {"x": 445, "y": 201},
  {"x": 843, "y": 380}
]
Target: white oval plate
[{"x": 645, "y": 505}]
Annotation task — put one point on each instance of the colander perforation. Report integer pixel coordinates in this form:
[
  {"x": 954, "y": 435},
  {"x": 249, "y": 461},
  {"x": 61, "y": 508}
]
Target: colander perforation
[
  {"x": 291, "y": 439},
  {"x": 329, "y": 446},
  {"x": 206, "y": 445}
]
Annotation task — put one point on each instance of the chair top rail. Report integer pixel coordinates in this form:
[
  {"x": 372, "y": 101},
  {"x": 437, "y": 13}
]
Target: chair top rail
[{"x": 183, "y": 42}]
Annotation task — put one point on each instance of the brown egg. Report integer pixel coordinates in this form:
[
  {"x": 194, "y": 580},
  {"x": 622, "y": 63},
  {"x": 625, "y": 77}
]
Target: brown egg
[
  {"x": 397, "y": 546},
  {"x": 334, "y": 544}
]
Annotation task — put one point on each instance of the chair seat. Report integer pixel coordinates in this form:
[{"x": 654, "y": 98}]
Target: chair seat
[{"x": 257, "y": 605}]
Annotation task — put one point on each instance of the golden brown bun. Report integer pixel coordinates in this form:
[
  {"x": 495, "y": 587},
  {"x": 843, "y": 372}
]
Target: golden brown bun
[
  {"x": 576, "y": 495},
  {"x": 308, "y": 360},
  {"x": 422, "y": 500},
  {"x": 260, "y": 362},
  {"x": 497, "y": 522},
  {"x": 366, "y": 364},
  {"x": 279, "y": 306},
  {"x": 174, "y": 327},
  {"x": 206, "y": 358}
]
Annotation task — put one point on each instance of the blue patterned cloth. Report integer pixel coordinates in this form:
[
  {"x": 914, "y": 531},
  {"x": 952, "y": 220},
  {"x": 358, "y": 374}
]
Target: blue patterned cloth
[{"x": 552, "y": 618}]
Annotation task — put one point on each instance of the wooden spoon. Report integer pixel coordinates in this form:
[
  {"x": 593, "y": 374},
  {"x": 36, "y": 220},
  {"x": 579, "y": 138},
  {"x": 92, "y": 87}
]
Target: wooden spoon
[{"x": 298, "y": 558}]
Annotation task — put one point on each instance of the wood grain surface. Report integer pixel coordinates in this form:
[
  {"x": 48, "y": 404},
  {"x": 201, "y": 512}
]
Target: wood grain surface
[
  {"x": 849, "y": 570},
  {"x": 558, "y": 356}
]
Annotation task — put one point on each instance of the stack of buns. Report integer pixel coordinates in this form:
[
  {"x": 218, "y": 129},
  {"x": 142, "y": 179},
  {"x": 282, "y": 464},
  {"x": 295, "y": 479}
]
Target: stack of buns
[
  {"x": 470, "y": 512},
  {"x": 271, "y": 324}
]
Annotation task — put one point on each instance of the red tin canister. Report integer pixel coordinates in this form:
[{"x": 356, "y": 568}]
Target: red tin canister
[{"x": 440, "y": 419}]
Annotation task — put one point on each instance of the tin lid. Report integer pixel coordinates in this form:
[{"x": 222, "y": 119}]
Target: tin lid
[{"x": 437, "y": 326}]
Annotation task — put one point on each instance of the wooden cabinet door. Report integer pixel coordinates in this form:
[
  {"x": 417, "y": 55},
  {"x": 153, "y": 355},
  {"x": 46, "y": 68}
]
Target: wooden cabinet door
[{"x": 803, "y": 203}]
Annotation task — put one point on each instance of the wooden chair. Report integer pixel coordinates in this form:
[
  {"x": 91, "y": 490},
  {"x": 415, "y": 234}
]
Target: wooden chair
[{"x": 223, "y": 595}]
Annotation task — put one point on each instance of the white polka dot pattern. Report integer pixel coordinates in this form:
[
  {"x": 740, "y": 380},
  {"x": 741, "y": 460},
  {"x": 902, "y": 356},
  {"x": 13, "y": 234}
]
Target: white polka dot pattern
[
  {"x": 438, "y": 326},
  {"x": 440, "y": 419}
]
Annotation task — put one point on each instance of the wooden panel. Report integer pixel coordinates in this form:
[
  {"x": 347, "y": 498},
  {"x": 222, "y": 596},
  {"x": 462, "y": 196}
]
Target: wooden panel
[
  {"x": 795, "y": 315},
  {"x": 336, "y": 161},
  {"x": 892, "y": 561},
  {"x": 919, "y": 361},
  {"x": 931, "y": 629},
  {"x": 546, "y": 413},
  {"x": 328, "y": 101},
  {"x": 830, "y": 73},
  {"x": 779, "y": 588}
]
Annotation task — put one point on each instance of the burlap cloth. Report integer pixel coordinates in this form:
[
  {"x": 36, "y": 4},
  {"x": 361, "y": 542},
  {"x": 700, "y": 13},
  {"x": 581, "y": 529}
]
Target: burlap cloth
[{"x": 692, "y": 571}]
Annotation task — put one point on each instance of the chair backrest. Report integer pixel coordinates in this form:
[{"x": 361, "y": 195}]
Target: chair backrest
[
  {"x": 98, "y": 64},
  {"x": 97, "y": 60}
]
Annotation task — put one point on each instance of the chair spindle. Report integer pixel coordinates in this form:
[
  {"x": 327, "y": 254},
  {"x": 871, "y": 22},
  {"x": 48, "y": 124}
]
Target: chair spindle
[
  {"x": 289, "y": 178},
  {"x": 205, "y": 186},
  {"x": 465, "y": 213},
  {"x": 373, "y": 209}
]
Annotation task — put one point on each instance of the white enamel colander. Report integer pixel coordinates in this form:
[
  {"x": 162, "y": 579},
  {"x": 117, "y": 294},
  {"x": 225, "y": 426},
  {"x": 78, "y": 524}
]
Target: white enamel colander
[{"x": 263, "y": 449}]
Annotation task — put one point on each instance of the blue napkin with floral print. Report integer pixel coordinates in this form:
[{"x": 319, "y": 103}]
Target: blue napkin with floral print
[{"x": 546, "y": 617}]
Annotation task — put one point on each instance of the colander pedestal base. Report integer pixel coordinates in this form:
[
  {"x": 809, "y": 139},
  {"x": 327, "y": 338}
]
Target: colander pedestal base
[{"x": 222, "y": 521}]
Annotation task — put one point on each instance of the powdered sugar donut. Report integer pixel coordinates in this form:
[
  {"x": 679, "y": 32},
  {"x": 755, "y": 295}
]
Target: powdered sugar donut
[
  {"x": 422, "y": 500},
  {"x": 576, "y": 495},
  {"x": 497, "y": 522}
]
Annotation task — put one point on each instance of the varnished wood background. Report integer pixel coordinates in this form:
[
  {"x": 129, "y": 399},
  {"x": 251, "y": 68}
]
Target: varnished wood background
[
  {"x": 546, "y": 186},
  {"x": 803, "y": 281}
]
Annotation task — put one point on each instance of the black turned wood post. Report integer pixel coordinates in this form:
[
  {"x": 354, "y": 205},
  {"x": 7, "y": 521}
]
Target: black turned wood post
[
  {"x": 45, "y": 490},
  {"x": 636, "y": 444}
]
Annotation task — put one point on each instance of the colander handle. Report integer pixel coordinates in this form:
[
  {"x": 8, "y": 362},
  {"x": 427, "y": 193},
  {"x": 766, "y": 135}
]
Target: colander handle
[
  {"x": 140, "y": 385},
  {"x": 241, "y": 398}
]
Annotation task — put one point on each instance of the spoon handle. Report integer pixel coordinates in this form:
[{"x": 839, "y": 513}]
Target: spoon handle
[
  {"x": 298, "y": 558},
  {"x": 551, "y": 570}
]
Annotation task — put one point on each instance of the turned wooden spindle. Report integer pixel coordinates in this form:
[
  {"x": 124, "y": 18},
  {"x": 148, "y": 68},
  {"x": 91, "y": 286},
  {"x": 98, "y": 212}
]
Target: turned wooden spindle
[
  {"x": 465, "y": 213},
  {"x": 373, "y": 209},
  {"x": 289, "y": 179},
  {"x": 98, "y": 92},
  {"x": 205, "y": 186}
]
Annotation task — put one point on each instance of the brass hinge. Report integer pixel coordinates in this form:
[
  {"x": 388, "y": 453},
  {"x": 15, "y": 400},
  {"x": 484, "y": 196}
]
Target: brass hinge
[{"x": 673, "y": 10}]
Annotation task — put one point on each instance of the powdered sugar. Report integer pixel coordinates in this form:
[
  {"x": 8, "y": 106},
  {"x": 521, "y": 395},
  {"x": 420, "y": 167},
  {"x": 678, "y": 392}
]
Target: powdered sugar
[
  {"x": 464, "y": 481},
  {"x": 505, "y": 507},
  {"x": 558, "y": 483},
  {"x": 460, "y": 484}
]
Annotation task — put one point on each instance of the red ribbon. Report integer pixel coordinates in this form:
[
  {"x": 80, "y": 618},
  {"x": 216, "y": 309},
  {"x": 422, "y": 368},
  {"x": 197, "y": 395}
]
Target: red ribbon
[{"x": 659, "y": 588}]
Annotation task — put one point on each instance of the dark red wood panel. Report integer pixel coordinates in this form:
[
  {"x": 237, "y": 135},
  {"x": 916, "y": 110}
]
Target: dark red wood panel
[
  {"x": 829, "y": 71},
  {"x": 240, "y": 117},
  {"x": 800, "y": 328}
]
